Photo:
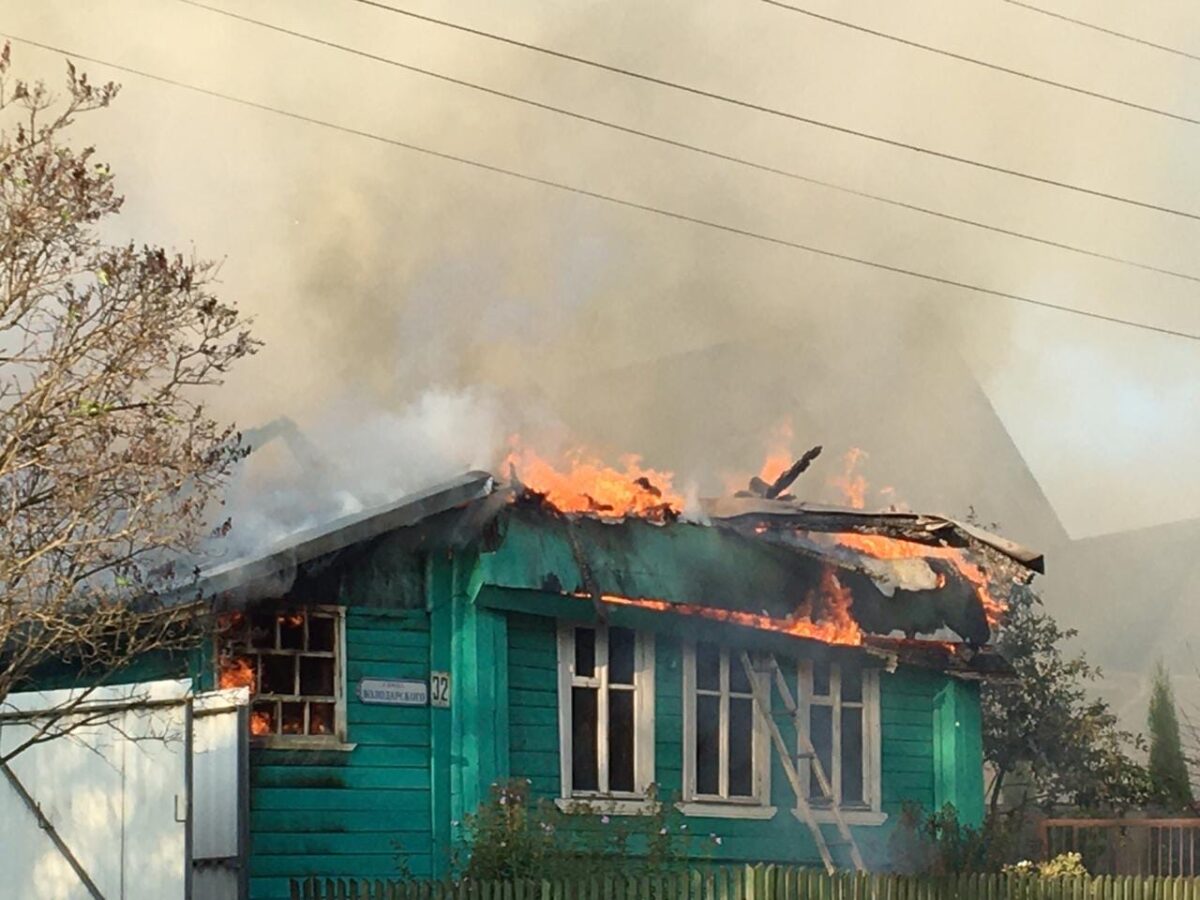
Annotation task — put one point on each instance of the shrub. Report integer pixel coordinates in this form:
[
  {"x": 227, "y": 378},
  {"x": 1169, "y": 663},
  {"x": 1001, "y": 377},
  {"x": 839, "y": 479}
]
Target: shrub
[
  {"x": 1065, "y": 865},
  {"x": 513, "y": 837}
]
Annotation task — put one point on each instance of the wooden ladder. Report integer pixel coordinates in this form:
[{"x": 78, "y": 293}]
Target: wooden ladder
[{"x": 789, "y": 763}]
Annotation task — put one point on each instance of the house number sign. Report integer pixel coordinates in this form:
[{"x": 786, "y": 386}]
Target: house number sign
[
  {"x": 439, "y": 689},
  {"x": 392, "y": 692}
]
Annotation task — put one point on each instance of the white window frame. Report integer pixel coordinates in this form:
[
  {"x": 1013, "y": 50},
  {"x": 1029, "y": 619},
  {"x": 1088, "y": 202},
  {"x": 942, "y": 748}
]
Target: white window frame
[
  {"x": 617, "y": 802},
  {"x": 870, "y": 810},
  {"x": 336, "y": 740},
  {"x": 721, "y": 805}
]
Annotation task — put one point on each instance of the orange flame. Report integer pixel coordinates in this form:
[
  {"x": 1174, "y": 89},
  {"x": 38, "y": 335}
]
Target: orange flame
[
  {"x": 585, "y": 484},
  {"x": 838, "y": 627},
  {"x": 881, "y": 547},
  {"x": 260, "y": 722},
  {"x": 851, "y": 483},
  {"x": 779, "y": 453},
  {"x": 236, "y": 672}
]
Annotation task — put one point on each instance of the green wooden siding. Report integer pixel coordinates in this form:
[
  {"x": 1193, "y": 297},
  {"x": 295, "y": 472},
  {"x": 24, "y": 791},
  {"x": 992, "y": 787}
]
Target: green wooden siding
[
  {"x": 907, "y": 703},
  {"x": 360, "y": 813}
]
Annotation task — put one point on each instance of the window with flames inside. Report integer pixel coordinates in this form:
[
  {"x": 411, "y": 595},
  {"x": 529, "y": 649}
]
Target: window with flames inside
[{"x": 291, "y": 662}]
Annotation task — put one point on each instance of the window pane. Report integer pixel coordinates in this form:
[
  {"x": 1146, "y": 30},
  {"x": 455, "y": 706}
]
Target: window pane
[
  {"x": 820, "y": 678},
  {"x": 708, "y": 667},
  {"x": 738, "y": 682},
  {"x": 320, "y": 718},
  {"x": 320, "y": 633},
  {"x": 620, "y": 740},
  {"x": 278, "y": 674},
  {"x": 741, "y": 748},
  {"x": 821, "y": 733},
  {"x": 262, "y": 631},
  {"x": 585, "y": 774},
  {"x": 262, "y": 719},
  {"x": 293, "y": 718},
  {"x": 620, "y": 656},
  {"x": 852, "y": 691},
  {"x": 852, "y": 755},
  {"x": 708, "y": 745},
  {"x": 316, "y": 675},
  {"x": 291, "y": 631},
  {"x": 585, "y": 652}
]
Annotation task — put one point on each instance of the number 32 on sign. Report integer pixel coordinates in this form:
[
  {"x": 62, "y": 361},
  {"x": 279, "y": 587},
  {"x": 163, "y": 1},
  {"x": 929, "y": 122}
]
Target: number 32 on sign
[{"x": 439, "y": 689}]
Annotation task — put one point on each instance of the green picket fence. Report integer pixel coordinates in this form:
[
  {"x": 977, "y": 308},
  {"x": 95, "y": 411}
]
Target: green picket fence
[{"x": 763, "y": 882}]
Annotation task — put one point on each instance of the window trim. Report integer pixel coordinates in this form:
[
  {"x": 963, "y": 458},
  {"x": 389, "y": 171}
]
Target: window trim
[
  {"x": 757, "y": 806},
  {"x": 870, "y": 811},
  {"x": 643, "y": 714},
  {"x": 337, "y": 740}
]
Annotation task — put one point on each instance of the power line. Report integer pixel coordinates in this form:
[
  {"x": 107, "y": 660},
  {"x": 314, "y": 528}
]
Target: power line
[
  {"x": 1100, "y": 28},
  {"x": 683, "y": 145},
  {"x": 995, "y": 67},
  {"x": 784, "y": 114},
  {"x": 615, "y": 201}
]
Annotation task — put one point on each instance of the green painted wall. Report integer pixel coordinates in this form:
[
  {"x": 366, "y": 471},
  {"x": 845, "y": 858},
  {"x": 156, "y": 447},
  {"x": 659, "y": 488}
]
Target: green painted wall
[
  {"x": 363, "y": 813},
  {"x": 907, "y": 700}
]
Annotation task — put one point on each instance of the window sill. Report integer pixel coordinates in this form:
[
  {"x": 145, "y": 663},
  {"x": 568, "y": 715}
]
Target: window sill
[
  {"x": 849, "y": 816},
  {"x": 600, "y": 806},
  {"x": 726, "y": 810},
  {"x": 300, "y": 742}
]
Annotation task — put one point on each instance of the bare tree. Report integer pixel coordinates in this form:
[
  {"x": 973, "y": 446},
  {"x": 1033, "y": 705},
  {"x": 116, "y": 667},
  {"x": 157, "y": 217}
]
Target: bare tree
[{"x": 108, "y": 460}]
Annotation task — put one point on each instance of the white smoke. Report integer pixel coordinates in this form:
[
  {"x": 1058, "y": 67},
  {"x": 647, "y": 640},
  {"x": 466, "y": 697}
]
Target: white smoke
[{"x": 354, "y": 457}]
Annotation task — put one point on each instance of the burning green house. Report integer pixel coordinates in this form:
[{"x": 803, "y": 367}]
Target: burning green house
[{"x": 785, "y": 677}]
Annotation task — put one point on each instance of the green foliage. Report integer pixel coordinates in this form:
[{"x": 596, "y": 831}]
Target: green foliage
[
  {"x": 939, "y": 844},
  {"x": 1170, "y": 786},
  {"x": 511, "y": 837},
  {"x": 1046, "y": 723}
]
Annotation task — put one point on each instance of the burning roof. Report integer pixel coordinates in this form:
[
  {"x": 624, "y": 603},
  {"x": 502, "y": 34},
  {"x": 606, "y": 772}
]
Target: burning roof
[{"x": 619, "y": 538}]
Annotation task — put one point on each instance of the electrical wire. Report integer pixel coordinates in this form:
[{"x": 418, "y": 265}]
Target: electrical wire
[
  {"x": 612, "y": 200},
  {"x": 1100, "y": 28},
  {"x": 784, "y": 114},
  {"x": 995, "y": 67},
  {"x": 693, "y": 148}
]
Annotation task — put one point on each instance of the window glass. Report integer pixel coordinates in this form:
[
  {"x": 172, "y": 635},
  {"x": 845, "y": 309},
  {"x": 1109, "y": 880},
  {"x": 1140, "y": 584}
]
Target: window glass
[
  {"x": 708, "y": 744},
  {"x": 838, "y": 730},
  {"x": 741, "y": 748},
  {"x": 585, "y": 771},
  {"x": 620, "y": 656},
  {"x": 585, "y": 652},
  {"x": 852, "y": 755},
  {"x": 820, "y": 679},
  {"x": 722, "y": 764},
  {"x": 852, "y": 682},
  {"x": 738, "y": 682},
  {"x": 708, "y": 667},
  {"x": 620, "y": 740},
  {"x": 290, "y": 662},
  {"x": 601, "y": 725}
]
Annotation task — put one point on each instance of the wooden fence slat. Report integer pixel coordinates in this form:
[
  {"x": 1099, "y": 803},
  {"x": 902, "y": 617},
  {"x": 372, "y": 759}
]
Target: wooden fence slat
[{"x": 769, "y": 881}]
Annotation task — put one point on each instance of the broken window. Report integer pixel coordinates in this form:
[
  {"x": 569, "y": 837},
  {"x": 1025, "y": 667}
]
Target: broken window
[
  {"x": 291, "y": 662},
  {"x": 606, "y": 715},
  {"x": 723, "y": 731},
  {"x": 841, "y": 716}
]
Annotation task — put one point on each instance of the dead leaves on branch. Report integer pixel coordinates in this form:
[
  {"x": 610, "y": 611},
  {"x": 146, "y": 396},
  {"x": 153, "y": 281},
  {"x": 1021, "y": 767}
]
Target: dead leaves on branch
[{"x": 108, "y": 459}]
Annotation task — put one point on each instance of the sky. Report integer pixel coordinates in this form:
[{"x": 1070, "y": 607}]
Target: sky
[{"x": 415, "y": 310}]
